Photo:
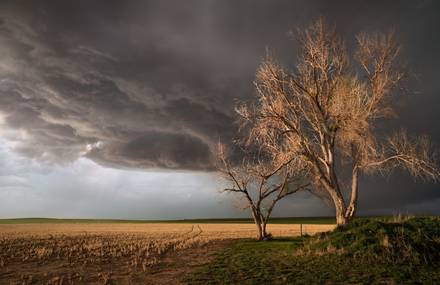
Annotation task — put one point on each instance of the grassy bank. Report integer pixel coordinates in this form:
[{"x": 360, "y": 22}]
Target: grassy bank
[{"x": 366, "y": 252}]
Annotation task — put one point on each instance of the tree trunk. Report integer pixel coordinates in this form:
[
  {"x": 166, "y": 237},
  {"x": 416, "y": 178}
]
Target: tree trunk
[
  {"x": 338, "y": 200},
  {"x": 260, "y": 235},
  {"x": 265, "y": 235},
  {"x": 341, "y": 219},
  {"x": 266, "y": 219},
  {"x": 352, "y": 207},
  {"x": 257, "y": 220}
]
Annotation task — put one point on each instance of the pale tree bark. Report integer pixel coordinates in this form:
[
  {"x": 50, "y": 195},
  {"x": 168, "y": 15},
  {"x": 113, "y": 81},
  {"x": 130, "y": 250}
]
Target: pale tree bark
[
  {"x": 352, "y": 207},
  {"x": 321, "y": 116},
  {"x": 257, "y": 220}
]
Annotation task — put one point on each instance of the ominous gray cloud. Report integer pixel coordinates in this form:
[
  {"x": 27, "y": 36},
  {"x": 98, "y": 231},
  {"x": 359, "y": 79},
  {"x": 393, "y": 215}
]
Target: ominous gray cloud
[
  {"x": 84, "y": 189},
  {"x": 152, "y": 84}
]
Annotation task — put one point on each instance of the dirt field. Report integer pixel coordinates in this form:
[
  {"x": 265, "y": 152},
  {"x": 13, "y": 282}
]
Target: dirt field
[{"x": 157, "y": 253}]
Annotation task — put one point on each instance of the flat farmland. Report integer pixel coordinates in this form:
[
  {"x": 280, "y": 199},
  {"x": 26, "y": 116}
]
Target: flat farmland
[{"x": 119, "y": 253}]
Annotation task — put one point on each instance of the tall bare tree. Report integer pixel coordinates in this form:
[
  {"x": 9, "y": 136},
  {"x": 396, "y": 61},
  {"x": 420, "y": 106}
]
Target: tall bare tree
[
  {"x": 325, "y": 111},
  {"x": 261, "y": 183}
]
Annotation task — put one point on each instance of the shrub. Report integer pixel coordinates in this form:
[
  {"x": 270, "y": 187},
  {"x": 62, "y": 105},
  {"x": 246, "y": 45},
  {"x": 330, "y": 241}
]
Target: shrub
[{"x": 415, "y": 240}]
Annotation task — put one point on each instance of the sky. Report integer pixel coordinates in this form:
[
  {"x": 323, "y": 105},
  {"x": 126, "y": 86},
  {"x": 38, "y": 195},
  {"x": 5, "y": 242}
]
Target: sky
[{"x": 112, "y": 109}]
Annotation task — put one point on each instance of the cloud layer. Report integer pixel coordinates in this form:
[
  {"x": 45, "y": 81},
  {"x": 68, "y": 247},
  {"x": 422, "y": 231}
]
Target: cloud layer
[
  {"x": 153, "y": 103},
  {"x": 152, "y": 84}
]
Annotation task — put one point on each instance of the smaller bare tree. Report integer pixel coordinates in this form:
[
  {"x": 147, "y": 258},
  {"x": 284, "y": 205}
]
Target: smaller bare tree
[{"x": 261, "y": 183}]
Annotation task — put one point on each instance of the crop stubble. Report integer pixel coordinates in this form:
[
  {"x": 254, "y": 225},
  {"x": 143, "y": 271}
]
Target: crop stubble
[{"x": 117, "y": 253}]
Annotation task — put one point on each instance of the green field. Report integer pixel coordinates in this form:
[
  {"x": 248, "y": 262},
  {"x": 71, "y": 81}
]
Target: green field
[
  {"x": 368, "y": 251},
  {"x": 252, "y": 262},
  {"x": 292, "y": 220}
]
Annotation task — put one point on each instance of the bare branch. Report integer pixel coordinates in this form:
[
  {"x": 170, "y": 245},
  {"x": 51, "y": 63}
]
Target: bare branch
[
  {"x": 319, "y": 119},
  {"x": 416, "y": 155}
]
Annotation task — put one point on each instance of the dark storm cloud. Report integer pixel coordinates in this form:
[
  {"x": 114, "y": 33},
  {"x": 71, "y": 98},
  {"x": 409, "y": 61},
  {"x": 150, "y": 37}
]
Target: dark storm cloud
[
  {"x": 69, "y": 95},
  {"x": 157, "y": 149},
  {"x": 152, "y": 84}
]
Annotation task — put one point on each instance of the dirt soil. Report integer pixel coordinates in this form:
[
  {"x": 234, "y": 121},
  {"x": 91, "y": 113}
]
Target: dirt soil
[
  {"x": 183, "y": 263},
  {"x": 172, "y": 269},
  {"x": 159, "y": 253}
]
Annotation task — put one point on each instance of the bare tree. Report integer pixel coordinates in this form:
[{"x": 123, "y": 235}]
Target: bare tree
[
  {"x": 325, "y": 111},
  {"x": 261, "y": 183}
]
